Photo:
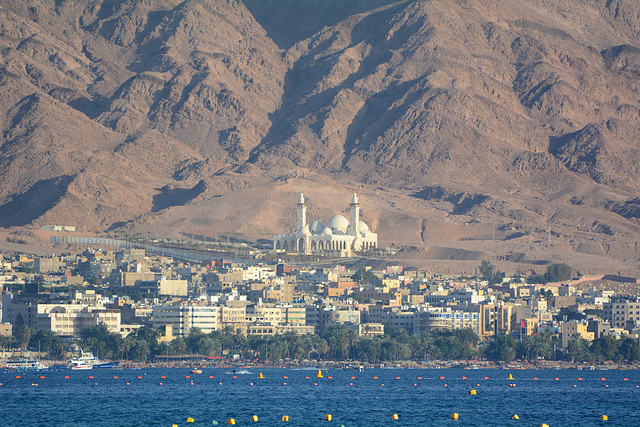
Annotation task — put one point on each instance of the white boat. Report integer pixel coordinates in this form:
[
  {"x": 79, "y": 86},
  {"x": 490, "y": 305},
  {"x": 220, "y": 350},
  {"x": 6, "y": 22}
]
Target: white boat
[
  {"x": 22, "y": 364},
  {"x": 87, "y": 360},
  {"x": 80, "y": 366}
]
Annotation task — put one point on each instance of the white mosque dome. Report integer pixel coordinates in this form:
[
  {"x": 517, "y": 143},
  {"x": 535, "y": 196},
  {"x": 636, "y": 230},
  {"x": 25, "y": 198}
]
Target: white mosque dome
[
  {"x": 316, "y": 227},
  {"x": 305, "y": 229},
  {"x": 363, "y": 227},
  {"x": 338, "y": 222},
  {"x": 327, "y": 231}
]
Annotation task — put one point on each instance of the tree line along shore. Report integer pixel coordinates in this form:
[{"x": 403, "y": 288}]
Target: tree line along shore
[{"x": 337, "y": 344}]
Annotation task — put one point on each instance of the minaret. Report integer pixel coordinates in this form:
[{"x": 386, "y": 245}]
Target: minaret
[
  {"x": 301, "y": 213},
  {"x": 355, "y": 214}
]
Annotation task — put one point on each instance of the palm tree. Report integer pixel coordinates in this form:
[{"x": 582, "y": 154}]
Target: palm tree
[
  {"x": 577, "y": 347},
  {"x": 163, "y": 348},
  {"x": 425, "y": 342},
  {"x": 193, "y": 339},
  {"x": 178, "y": 346},
  {"x": 256, "y": 344},
  {"x": 320, "y": 346},
  {"x": 6, "y": 341},
  {"x": 24, "y": 336},
  {"x": 142, "y": 350},
  {"x": 125, "y": 345},
  {"x": 368, "y": 349}
]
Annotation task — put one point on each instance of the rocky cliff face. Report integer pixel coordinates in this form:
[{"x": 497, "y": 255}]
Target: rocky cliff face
[{"x": 149, "y": 112}]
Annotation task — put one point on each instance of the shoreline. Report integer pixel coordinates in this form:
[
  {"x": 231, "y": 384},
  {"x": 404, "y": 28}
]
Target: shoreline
[{"x": 355, "y": 365}]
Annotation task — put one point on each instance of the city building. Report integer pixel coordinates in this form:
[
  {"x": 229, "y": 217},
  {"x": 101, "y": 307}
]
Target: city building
[
  {"x": 618, "y": 313},
  {"x": 573, "y": 329},
  {"x": 183, "y": 316}
]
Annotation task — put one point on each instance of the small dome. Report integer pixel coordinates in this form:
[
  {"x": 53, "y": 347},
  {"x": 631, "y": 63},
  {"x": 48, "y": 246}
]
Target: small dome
[
  {"x": 327, "y": 231},
  {"x": 316, "y": 227},
  {"x": 338, "y": 222},
  {"x": 363, "y": 227},
  {"x": 305, "y": 229}
]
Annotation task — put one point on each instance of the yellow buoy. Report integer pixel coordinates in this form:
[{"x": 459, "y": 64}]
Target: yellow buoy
[
  {"x": 605, "y": 418},
  {"x": 544, "y": 425},
  {"x": 515, "y": 417},
  {"x": 254, "y": 418},
  {"x": 472, "y": 392},
  {"x": 454, "y": 416},
  {"x": 328, "y": 417},
  {"x": 285, "y": 418},
  {"x": 319, "y": 373},
  {"x": 190, "y": 420},
  {"x": 231, "y": 421},
  {"x": 174, "y": 425},
  {"x": 394, "y": 416},
  {"x": 510, "y": 377},
  {"x": 261, "y": 376}
]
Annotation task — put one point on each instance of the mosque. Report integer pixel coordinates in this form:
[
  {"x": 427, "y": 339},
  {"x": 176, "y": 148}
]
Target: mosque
[{"x": 340, "y": 237}]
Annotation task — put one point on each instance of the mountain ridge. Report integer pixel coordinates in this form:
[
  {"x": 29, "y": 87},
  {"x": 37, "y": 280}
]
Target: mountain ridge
[{"x": 144, "y": 114}]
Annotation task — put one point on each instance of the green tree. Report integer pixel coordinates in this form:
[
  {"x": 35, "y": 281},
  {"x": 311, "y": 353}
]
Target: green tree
[
  {"x": 605, "y": 348},
  {"x": 125, "y": 346},
  {"x": 558, "y": 272},
  {"x": 24, "y": 336},
  {"x": 569, "y": 313},
  {"x": 577, "y": 348},
  {"x": 426, "y": 340},
  {"x": 502, "y": 348},
  {"x": 629, "y": 349},
  {"x": 532, "y": 347},
  {"x": 364, "y": 276},
  {"x": 537, "y": 279},
  {"x": 178, "y": 346},
  {"x": 368, "y": 349},
  {"x": 141, "y": 350},
  {"x": 487, "y": 271}
]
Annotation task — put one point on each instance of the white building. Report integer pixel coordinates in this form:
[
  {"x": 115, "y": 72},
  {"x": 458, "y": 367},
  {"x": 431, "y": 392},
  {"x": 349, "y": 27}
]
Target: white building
[
  {"x": 66, "y": 320},
  {"x": 340, "y": 236},
  {"x": 184, "y": 316}
]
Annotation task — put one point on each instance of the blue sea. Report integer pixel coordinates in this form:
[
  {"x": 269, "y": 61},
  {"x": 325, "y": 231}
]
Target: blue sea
[{"x": 137, "y": 397}]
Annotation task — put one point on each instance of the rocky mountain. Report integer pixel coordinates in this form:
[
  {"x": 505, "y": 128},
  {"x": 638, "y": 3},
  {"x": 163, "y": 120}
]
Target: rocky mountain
[{"x": 452, "y": 118}]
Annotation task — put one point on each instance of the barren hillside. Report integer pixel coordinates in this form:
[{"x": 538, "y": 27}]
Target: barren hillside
[{"x": 473, "y": 129}]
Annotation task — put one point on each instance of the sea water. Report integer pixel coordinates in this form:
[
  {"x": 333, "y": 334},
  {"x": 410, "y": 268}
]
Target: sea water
[{"x": 420, "y": 397}]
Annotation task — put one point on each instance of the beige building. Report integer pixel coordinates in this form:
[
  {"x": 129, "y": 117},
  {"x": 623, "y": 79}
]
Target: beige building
[
  {"x": 266, "y": 329},
  {"x": 527, "y": 326},
  {"x": 233, "y": 317},
  {"x": 371, "y": 330},
  {"x": 494, "y": 317},
  {"x": 47, "y": 265},
  {"x": 68, "y": 321},
  {"x": 569, "y": 329},
  {"x": 6, "y": 329},
  {"x": 295, "y": 315},
  {"x": 281, "y": 293},
  {"x": 262, "y": 313},
  {"x": 133, "y": 278},
  {"x": 178, "y": 288}
]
